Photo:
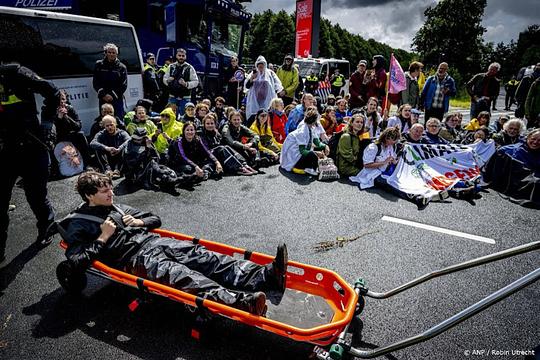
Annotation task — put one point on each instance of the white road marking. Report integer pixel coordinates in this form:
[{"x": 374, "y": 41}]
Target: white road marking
[{"x": 438, "y": 229}]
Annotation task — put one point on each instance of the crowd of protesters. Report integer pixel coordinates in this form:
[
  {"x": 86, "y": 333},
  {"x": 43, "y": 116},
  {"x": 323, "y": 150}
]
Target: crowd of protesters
[{"x": 264, "y": 119}]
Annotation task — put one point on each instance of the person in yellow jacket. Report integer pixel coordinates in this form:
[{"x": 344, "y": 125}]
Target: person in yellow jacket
[
  {"x": 268, "y": 145},
  {"x": 288, "y": 75},
  {"x": 476, "y": 123},
  {"x": 141, "y": 120},
  {"x": 168, "y": 130}
]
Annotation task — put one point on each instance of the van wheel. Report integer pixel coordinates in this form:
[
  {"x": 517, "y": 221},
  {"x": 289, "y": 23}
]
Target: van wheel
[{"x": 72, "y": 280}]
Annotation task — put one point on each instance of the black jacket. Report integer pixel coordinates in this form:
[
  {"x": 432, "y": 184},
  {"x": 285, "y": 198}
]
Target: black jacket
[
  {"x": 18, "y": 120},
  {"x": 110, "y": 78},
  {"x": 81, "y": 236}
]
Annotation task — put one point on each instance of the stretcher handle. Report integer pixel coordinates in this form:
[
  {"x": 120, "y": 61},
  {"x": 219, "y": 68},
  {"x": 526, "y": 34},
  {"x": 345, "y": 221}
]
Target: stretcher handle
[
  {"x": 454, "y": 268},
  {"x": 454, "y": 320}
]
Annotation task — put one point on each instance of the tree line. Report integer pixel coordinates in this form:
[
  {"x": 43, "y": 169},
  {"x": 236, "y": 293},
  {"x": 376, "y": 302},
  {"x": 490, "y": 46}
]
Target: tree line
[
  {"x": 273, "y": 35},
  {"x": 452, "y": 32}
]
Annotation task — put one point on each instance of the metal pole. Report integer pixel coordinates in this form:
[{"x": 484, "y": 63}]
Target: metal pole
[
  {"x": 454, "y": 320},
  {"x": 458, "y": 267}
]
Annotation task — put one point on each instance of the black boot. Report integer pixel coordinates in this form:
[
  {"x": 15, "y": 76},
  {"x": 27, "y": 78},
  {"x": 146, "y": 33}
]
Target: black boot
[
  {"x": 253, "y": 303},
  {"x": 278, "y": 269}
]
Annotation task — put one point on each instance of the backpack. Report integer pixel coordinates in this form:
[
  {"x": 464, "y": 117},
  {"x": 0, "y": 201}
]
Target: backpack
[{"x": 333, "y": 144}]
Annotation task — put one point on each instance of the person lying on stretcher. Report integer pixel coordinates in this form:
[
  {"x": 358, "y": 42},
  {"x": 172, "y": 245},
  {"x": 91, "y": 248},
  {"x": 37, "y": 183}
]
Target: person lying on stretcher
[{"x": 122, "y": 240}]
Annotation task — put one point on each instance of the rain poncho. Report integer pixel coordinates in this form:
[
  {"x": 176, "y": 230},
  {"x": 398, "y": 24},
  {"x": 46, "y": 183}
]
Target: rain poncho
[
  {"x": 262, "y": 90},
  {"x": 173, "y": 128}
]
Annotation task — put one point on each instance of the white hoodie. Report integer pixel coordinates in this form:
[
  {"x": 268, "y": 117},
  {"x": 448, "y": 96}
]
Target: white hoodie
[{"x": 262, "y": 90}]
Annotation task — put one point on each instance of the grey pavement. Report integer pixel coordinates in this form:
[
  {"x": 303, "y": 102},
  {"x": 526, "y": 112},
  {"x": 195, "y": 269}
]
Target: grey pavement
[{"x": 38, "y": 320}]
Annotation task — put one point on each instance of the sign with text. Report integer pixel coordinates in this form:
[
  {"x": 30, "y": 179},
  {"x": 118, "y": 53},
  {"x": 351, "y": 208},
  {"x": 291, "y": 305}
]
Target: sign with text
[
  {"x": 304, "y": 27},
  {"x": 38, "y": 4}
]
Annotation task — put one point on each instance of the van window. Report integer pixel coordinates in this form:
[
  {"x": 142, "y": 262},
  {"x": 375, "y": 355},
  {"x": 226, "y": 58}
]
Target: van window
[
  {"x": 60, "y": 48},
  {"x": 343, "y": 67}
]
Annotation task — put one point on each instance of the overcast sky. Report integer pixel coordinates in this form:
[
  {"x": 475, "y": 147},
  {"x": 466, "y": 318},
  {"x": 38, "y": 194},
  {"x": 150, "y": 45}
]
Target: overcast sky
[{"x": 395, "y": 22}]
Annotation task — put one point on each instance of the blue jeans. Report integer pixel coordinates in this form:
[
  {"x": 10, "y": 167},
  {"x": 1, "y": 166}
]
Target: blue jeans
[{"x": 180, "y": 104}]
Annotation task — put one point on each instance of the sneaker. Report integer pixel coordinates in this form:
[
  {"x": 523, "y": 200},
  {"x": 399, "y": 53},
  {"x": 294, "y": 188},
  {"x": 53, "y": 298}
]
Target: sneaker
[
  {"x": 244, "y": 171},
  {"x": 421, "y": 201},
  {"x": 254, "y": 303},
  {"x": 11, "y": 207},
  {"x": 279, "y": 267},
  {"x": 311, "y": 172}
]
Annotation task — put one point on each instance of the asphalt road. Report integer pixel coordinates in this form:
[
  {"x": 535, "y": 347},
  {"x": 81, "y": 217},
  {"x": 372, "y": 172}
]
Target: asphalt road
[{"x": 39, "y": 321}]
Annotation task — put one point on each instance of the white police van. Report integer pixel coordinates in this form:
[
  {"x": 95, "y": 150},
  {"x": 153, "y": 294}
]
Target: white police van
[
  {"x": 324, "y": 68},
  {"x": 64, "y": 48}
]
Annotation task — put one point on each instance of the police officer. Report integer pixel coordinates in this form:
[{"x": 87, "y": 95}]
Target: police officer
[
  {"x": 312, "y": 83},
  {"x": 337, "y": 81},
  {"x": 24, "y": 144},
  {"x": 150, "y": 82},
  {"x": 181, "y": 80}
]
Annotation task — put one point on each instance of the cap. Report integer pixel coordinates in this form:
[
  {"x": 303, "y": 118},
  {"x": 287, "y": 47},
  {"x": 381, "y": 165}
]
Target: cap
[
  {"x": 189, "y": 104},
  {"x": 139, "y": 134},
  {"x": 416, "y": 112},
  {"x": 362, "y": 62},
  {"x": 331, "y": 96},
  {"x": 150, "y": 55},
  {"x": 289, "y": 56}
]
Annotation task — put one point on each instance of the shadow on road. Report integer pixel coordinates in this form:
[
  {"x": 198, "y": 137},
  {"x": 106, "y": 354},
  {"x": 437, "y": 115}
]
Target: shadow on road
[
  {"x": 159, "y": 329},
  {"x": 297, "y": 178},
  {"x": 9, "y": 272}
]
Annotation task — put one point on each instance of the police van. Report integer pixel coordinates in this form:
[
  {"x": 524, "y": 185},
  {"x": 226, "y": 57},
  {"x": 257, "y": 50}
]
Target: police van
[
  {"x": 64, "y": 48},
  {"x": 324, "y": 68}
]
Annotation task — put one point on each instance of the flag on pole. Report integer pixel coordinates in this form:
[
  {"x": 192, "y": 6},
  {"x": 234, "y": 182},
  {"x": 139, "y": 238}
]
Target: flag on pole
[
  {"x": 397, "y": 77},
  {"x": 324, "y": 90}
]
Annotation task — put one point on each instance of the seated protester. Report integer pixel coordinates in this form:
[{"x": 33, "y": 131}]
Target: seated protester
[
  {"x": 449, "y": 131},
  {"x": 68, "y": 129},
  {"x": 277, "y": 119},
  {"x": 402, "y": 120},
  {"x": 459, "y": 125},
  {"x": 189, "y": 157},
  {"x": 482, "y": 134},
  {"x": 207, "y": 102},
  {"x": 498, "y": 125},
  {"x": 527, "y": 152},
  {"x": 189, "y": 113},
  {"x": 481, "y": 120},
  {"x": 328, "y": 120},
  {"x": 288, "y": 109},
  {"x": 351, "y": 145},
  {"x": 373, "y": 118},
  {"x": 415, "y": 115},
  {"x": 233, "y": 162},
  {"x": 141, "y": 164},
  {"x": 510, "y": 134},
  {"x": 147, "y": 105},
  {"x": 219, "y": 109},
  {"x": 297, "y": 114},
  {"x": 167, "y": 130},
  {"x": 141, "y": 120},
  {"x": 269, "y": 148},
  {"x": 433, "y": 127},
  {"x": 341, "y": 111},
  {"x": 97, "y": 126},
  {"x": 123, "y": 241},
  {"x": 200, "y": 112},
  {"x": 380, "y": 161},
  {"x": 241, "y": 139},
  {"x": 108, "y": 145},
  {"x": 302, "y": 148},
  {"x": 330, "y": 100},
  {"x": 415, "y": 135}
]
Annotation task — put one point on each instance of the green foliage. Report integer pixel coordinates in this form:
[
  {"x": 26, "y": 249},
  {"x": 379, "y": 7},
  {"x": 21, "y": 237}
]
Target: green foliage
[
  {"x": 273, "y": 35},
  {"x": 452, "y": 33}
]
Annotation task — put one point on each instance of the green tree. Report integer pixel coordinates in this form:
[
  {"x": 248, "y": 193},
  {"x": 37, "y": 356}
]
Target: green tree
[
  {"x": 280, "y": 40},
  {"x": 443, "y": 38},
  {"x": 258, "y": 34}
]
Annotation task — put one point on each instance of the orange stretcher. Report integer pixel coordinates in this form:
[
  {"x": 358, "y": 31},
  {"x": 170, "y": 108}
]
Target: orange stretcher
[{"x": 337, "y": 323}]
